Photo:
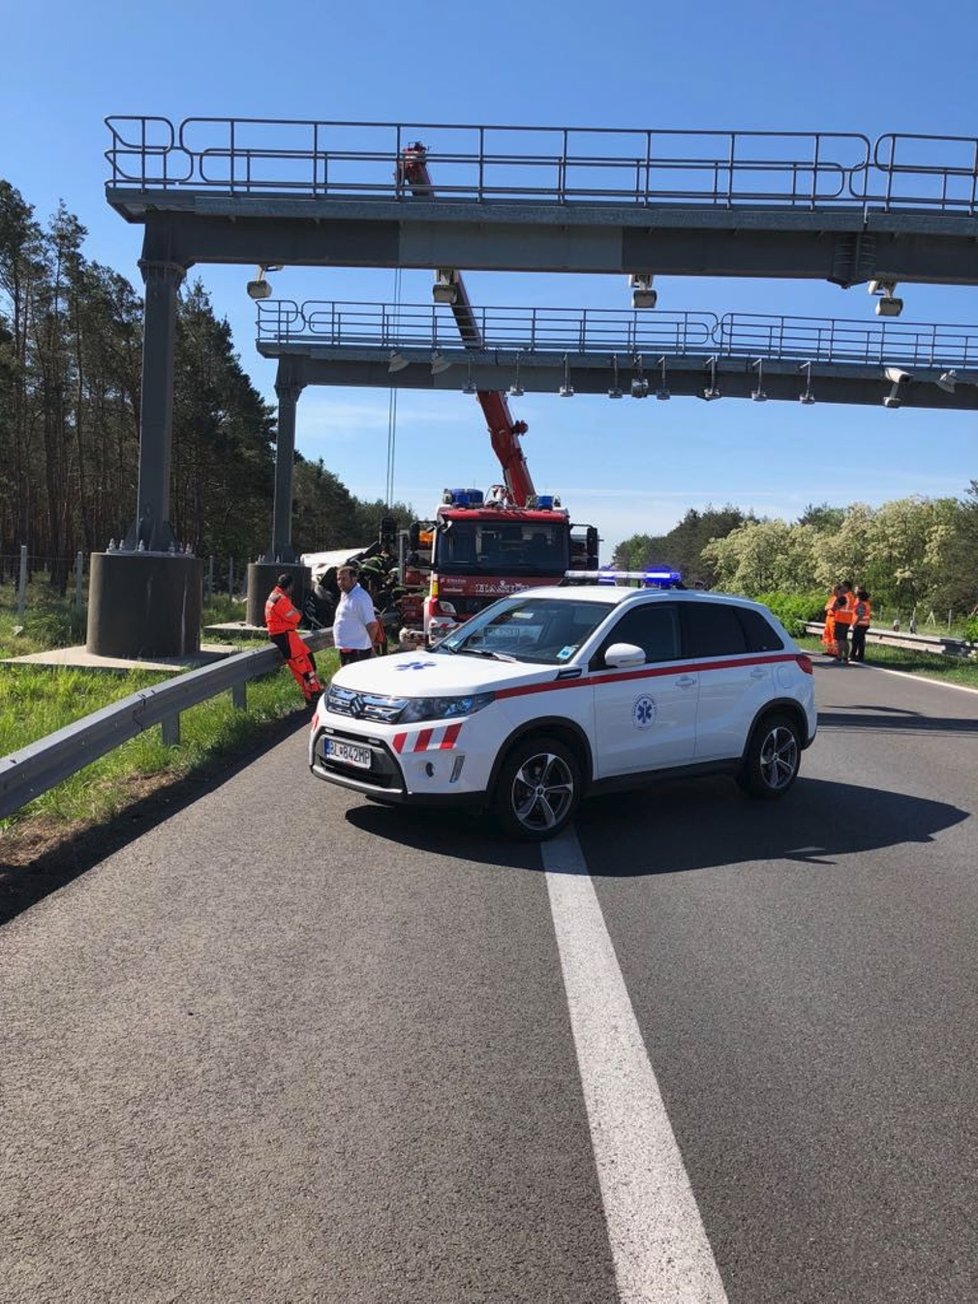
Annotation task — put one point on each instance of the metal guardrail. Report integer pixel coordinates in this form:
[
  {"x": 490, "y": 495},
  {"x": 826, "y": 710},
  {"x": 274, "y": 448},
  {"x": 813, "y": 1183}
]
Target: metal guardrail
[
  {"x": 806, "y": 170},
  {"x": 34, "y": 769},
  {"x": 938, "y": 644},
  {"x": 627, "y": 333}
]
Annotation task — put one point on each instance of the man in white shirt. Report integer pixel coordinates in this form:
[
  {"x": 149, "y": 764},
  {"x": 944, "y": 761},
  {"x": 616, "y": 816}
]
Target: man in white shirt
[{"x": 355, "y": 625}]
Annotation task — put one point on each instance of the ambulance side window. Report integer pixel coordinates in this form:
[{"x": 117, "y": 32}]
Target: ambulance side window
[
  {"x": 654, "y": 627},
  {"x": 711, "y": 629},
  {"x": 761, "y": 636}
]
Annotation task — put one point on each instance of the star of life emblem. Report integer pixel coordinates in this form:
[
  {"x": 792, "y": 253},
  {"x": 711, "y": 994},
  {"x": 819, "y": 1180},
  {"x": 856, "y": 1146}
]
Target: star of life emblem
[{"x": 643, "y": 712}]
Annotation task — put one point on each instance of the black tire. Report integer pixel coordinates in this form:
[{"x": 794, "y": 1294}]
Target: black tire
[
  {"x": 772, "y": 758},
  {"x": 537, "y": 790}
]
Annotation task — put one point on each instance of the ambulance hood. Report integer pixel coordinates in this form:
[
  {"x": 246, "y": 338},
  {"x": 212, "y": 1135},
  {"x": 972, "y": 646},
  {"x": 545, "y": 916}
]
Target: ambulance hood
[{"x": 442, "y": 674}]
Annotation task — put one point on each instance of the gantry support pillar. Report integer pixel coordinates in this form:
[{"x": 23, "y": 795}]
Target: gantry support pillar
[
  {"x": 145, "y": 597},
  {"x": 280, "y": 557}
]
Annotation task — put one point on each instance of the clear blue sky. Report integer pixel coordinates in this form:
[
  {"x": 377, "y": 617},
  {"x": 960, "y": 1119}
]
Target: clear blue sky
[{"x": 842, "y": 65}]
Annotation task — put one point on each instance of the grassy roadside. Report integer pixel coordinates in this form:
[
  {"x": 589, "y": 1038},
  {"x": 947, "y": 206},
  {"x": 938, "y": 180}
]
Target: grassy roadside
[{"x": 37, "y": 700}]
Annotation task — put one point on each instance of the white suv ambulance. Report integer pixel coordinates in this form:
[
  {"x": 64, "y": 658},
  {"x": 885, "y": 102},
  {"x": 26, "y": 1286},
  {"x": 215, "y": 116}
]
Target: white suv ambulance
[{"x": 556, "y": 692}]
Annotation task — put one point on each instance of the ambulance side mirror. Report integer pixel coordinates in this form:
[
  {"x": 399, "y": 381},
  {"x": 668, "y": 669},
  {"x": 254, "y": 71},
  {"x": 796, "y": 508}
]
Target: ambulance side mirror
[{"x": 620, "y": 655}]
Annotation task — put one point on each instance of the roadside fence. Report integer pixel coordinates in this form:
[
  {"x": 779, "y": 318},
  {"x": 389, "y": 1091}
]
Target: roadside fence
[{"x": 223, "y": 576}]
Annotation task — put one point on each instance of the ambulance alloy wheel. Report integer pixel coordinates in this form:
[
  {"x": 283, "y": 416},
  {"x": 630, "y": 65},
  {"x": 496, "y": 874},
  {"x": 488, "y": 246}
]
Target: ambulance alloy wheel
[
  {"x": 772, "y": 758},
  {"x": 538, "y": 788}
]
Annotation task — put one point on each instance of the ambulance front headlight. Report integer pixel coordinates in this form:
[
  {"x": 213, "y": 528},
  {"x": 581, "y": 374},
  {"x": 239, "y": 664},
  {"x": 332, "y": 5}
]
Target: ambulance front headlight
[{"x": 443, "y": 708}]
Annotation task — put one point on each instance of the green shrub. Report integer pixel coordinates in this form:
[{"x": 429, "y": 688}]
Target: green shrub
[
  {"x": 795, "y": 610},
  {"x": 971, "y": 629}
]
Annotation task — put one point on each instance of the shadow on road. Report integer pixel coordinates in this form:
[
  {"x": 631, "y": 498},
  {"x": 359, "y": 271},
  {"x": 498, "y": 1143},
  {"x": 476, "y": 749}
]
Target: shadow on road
[
  {"x": 458, "y": 834},
  {"x": 883, "y": 719},
  {"x": 677, "y": 826}
]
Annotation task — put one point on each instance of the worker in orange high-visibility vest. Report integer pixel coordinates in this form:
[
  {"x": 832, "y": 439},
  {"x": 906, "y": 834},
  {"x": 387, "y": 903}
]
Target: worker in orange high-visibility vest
[
  {"x": 861, "y": 623},
  {"x": 282, "y": 622},
  {"x": 844, "y": 615},
  {"x": 828, "y": 630}
]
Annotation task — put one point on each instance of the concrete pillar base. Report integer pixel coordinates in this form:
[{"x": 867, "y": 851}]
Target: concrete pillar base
[
  {"x": 144, "y": 604},
  {"x": 261, "y": 580}
]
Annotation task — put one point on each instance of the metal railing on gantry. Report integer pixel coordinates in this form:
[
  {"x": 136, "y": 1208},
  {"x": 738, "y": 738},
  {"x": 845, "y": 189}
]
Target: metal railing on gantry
[
  {"x": 556, "y": 165},
  {"x": 528, "y": 331}
]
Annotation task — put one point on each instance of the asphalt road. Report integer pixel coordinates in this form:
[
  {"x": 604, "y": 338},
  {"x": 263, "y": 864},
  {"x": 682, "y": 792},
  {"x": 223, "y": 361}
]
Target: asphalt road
[{"x": 289, "y": 1046}]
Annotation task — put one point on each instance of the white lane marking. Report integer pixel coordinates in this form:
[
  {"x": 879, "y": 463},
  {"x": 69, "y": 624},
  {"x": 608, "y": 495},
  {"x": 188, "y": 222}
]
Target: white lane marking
[
  {"x": 938, "y": 683},
  {"x": 658, "y": 1241}
]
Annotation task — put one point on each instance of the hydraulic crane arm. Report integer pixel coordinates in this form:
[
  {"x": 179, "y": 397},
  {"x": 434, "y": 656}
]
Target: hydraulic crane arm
[{"x": 504, "y": 432}]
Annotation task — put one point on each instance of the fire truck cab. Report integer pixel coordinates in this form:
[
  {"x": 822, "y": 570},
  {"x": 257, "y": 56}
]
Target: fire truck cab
[{"x": 483, "y": 547}]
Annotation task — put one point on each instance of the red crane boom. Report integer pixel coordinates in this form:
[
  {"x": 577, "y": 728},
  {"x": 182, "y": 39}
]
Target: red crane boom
[{"x": 504, "y": 432}]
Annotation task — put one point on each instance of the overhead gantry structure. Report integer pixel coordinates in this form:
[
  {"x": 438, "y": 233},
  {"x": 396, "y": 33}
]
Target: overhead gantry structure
[
  {"x": 826, "y": 205},
  {"x": 638, "y": 354},
  {"x": 830, "y": 206}
]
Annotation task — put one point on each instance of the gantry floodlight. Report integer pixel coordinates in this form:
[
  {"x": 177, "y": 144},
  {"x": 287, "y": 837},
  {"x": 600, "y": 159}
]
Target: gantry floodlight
[
  {"x": 643, "y": 296},
  {"x": 259, "y": 287},
  {"x": 567, "y": 389},
  {"x": 897, "y": 377},
  {"x": 397, "y": 362},
  {"x": 445, "y": 288},
  {"x": 663, "y": 391},
  {"x": 615, "y": 390},
  {"x": 439, "y": 363},
  {"x": 889, "y": 305},
  {"x": 946, "y": 381},
  {"x": 640, "y": 386},
  {"x": 712, "y": 391},
  {"x": 806, "y": 396},
  {"x": 758, "y": 394},
  {"x": 470, "y": 387}
]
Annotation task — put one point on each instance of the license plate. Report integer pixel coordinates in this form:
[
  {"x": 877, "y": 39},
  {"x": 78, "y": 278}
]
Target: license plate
[{"x": 334, "y": 749}]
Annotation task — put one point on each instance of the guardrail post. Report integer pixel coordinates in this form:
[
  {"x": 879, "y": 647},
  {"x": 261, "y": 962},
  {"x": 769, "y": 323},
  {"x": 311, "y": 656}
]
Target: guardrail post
[
  {"x": 22, "y": 581},
  {"x": 170, "y": 729},
  {"x": 239, "y": 696}
]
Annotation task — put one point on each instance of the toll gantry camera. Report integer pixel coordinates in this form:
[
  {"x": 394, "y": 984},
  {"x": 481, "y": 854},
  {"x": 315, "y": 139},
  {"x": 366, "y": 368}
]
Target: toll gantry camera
[
  {"x": 889, "y": 305},
  {"x": 445, "y": 288},
  {"x": 643, "y": 296},
  {"x": 897, "y": 377},
  {"x": 259, "y": 288}
]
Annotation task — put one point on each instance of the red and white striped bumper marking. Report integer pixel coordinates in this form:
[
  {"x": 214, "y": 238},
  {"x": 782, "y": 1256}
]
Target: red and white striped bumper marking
[{"x": 441, "y": 739}]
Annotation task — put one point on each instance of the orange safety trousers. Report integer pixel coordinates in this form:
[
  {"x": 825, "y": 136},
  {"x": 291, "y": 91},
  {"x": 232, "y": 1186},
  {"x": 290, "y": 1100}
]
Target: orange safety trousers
[{"x": 301, "y": 664}]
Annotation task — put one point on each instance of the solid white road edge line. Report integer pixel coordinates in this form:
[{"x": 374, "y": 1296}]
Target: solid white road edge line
[
  {"x": 658, "y": 1242},
  {"x": 938, "y": 683}
]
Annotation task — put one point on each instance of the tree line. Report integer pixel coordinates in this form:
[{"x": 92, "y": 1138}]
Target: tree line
[
  {"x": 70, "y": 374},
  {"x": 912, "y": 552}
]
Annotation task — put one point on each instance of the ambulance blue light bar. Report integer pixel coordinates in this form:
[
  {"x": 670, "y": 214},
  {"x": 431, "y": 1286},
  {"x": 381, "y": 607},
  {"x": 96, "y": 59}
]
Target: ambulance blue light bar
[{"x": 647, "y": 579}]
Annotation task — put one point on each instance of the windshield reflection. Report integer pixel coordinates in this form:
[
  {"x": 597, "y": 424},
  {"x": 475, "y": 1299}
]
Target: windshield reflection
[{"x": 548, "y": 631}]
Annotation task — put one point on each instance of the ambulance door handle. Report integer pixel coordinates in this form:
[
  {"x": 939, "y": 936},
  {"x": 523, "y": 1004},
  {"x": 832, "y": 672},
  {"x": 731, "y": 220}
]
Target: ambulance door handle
[
  {"x": 759, "y": 672},
  {"x": 686, "y": 681}
]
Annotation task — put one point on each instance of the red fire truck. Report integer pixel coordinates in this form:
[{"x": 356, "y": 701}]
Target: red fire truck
[{"x": 480, "y": 547}]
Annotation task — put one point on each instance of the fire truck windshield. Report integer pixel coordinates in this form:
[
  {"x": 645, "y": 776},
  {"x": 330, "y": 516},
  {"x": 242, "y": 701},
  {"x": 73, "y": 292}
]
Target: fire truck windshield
[{"x": 502, "y": 548}]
